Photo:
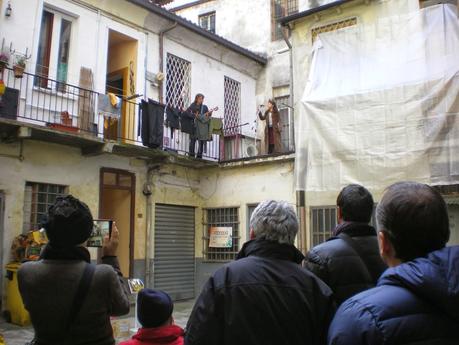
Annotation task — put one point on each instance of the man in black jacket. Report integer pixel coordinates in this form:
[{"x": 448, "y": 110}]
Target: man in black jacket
[
  {"x": 265, "y": 296},
  {"x": 349, "y": 262}
]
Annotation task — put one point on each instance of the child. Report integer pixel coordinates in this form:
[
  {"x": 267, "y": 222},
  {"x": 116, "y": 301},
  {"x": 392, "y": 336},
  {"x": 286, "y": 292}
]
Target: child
[{"x": 154, "y": 312}]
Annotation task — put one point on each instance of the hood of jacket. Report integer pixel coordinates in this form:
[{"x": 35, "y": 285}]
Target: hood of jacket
[
  {"x": 160, "y": 335},
  {"x": 434, "y": 279},
  {"x": 270, "y": 249}
]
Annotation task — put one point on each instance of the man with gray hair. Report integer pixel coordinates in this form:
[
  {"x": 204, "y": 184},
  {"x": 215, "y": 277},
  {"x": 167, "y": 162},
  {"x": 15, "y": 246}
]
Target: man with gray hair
[{"x": 265, "y": 296}]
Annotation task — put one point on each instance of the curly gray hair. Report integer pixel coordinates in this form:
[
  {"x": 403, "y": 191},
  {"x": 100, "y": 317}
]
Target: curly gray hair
[{"x": 274, "y": 221}]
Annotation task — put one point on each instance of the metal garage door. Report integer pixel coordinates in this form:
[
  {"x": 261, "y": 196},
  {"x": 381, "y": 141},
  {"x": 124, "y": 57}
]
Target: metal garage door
[{"x": 174, "y": 251}]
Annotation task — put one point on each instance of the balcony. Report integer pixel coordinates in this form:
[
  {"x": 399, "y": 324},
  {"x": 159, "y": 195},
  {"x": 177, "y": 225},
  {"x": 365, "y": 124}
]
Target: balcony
[{"x": 44, "y": 109}]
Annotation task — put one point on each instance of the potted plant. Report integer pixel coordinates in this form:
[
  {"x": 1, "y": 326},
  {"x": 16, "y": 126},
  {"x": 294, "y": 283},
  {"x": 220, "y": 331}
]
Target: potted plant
[
  {"x": 4, "y": 58},
  {"x": 19, "y": 67}
]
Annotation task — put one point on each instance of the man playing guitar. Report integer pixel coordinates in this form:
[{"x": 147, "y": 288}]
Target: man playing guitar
[{"x": 202, "y": 116}]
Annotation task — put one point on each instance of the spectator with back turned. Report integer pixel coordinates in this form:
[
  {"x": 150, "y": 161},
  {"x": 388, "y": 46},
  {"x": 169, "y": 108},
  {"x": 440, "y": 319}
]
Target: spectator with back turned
[
  {"x": 349, "y": 262},
  {"x": 416, "y": 300},
  {"x": 264, "y": 297},
  {"x": 70, "y": 300}
]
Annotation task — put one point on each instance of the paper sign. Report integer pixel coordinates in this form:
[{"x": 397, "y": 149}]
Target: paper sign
[{"x": 221, "y": 237}]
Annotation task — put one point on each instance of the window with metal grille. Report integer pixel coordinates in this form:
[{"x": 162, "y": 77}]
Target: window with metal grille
[
  {"x": 279, "y": 9},
  {"x": 37, "y": 199},
  {"x": 323, "y": 221},
  {"x": 332, "y": 27},
  {"x": 207, "y": 21},
  {"x": 286, "y": 120},
  {"x": 232, "y": 106},
  {"x": 178, "y": 82},
  {"x": 221, "y": 217}
]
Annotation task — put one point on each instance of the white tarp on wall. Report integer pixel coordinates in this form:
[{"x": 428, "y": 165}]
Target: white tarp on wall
[{"x": 381, "y": 104}]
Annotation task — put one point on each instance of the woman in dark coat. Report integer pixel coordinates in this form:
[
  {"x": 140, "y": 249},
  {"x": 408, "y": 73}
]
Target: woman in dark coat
[{"x": 273, "y": 128}]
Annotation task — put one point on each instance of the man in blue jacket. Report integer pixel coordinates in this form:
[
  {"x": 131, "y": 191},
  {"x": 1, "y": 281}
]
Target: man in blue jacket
[{"x": 416, "y": 300}]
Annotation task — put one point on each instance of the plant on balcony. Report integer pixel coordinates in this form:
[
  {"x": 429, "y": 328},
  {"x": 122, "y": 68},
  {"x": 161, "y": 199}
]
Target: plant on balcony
[
  {"x": 4, "y": 58},
  {"x": 19, "y": 67}
]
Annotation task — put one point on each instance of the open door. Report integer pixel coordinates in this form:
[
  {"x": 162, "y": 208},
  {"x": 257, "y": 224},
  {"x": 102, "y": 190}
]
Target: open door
[
  {"x": 121, "y": 81},
  {"x": 117, "y": 202}
]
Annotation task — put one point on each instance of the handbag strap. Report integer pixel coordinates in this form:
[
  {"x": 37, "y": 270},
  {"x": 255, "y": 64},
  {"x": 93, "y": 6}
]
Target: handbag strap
[
  {"x": 80, "y": 295},
  {"x": 358, "y": 250}
]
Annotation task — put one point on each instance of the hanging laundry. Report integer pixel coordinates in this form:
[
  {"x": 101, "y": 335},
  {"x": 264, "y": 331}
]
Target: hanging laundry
[
  {"x": 152, "y": 129},
  {"x": 187, "y": 123},
  {"x": 172, "y": 117},
  {"x": 215, "y": 126},
  {"x": 107, "y": 109}
]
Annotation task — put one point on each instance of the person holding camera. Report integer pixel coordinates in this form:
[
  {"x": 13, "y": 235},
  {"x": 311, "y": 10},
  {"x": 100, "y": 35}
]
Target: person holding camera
[{"x": 70, "y": 300}]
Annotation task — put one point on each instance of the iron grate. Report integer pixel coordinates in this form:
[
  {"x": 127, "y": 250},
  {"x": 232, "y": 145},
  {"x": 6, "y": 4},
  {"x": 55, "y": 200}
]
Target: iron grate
[
  {"x": 232, "y": 105},
  {"x": 178, "y": 82}
]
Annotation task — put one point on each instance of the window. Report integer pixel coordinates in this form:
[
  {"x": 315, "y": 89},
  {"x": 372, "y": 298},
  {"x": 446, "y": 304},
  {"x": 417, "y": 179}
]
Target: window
[
  {"x": 323, "y": 221},
  {"x": 221, "y": 217},
  {"x": 53, "y": 49},
  {"x": 286, "y": 119},
  {"x": 207, "y": 21},
  {"x": 178, "y": 82},
  {"x": 279, "y": 9},
  {"x": 37, "y": 199},
  {"x": 332, "y": 27},
  {"x": 232, "y": 106}
]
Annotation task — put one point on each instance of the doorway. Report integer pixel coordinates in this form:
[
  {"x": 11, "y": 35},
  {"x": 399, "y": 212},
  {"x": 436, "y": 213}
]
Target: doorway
[
  {"x": 117, "y": 202},
  {"x": 121, "y": 81},
  {"x": 116, "y": 84}
]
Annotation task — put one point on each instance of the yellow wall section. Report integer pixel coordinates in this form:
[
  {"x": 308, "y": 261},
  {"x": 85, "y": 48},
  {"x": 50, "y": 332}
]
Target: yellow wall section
[{"x": 119, "y": 57}]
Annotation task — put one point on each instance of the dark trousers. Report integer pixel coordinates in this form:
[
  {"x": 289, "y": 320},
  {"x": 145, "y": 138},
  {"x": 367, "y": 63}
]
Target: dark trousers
[{"x": 193, "y": 146}]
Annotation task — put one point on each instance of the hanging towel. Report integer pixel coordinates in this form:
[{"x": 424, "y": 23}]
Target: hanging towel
[
  {"x": 215, "y": 126},
  {"x": 187, "y": 123},
  {"x": 106, "y": 108},
  {"x": 172, "y": 118},
  {"x": 152, "y": 115},
  {"x": 113, "y": 99}
]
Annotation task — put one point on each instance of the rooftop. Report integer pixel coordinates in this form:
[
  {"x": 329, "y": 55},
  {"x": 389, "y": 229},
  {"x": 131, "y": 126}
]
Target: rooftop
[
  {"x": 148, "y": 5},
  {"x": 310, "y": 11}
]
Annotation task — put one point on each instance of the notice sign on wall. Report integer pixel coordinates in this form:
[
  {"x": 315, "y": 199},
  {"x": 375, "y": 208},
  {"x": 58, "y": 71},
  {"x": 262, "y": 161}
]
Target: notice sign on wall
[{"x": 220, "y": 237}]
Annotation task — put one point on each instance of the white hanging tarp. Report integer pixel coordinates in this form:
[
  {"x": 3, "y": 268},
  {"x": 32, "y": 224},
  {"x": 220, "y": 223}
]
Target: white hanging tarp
[{"x": 381, "y": 104}]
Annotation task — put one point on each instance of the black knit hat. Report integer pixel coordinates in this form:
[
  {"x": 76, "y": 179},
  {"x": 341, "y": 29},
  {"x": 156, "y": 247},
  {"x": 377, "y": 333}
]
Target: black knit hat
[
  {"x": 69, "y": 222},
  {"x": 154, "y": 308}
]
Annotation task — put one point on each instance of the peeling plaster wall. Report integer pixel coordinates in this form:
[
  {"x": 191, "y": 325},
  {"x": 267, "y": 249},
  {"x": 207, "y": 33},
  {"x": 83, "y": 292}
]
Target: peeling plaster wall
[
  {"x": 57, "y": 164},
  {"x": 232, "y": 185}
]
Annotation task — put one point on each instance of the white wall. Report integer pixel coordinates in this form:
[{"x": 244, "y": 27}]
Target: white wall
[
  {"x": 207, "y": 77},
  {"x": 248, "y": 23}
]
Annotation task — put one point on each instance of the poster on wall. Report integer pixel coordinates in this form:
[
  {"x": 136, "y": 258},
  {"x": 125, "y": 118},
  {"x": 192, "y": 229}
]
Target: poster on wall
[{"x": 220, "y": 237}]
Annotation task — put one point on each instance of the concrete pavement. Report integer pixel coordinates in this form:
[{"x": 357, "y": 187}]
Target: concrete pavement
[{"x": 123, "y": 327}]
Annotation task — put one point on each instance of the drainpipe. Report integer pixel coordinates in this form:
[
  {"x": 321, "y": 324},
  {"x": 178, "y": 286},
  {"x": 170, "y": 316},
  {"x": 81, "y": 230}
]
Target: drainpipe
[
  {"x": 145, "y": 65},
  {"x": 161, "y": 57},
  {"x": 289, "y": 45},
  {"x": 148, "y": 192},
  {"x": 300, "y": 194}
]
